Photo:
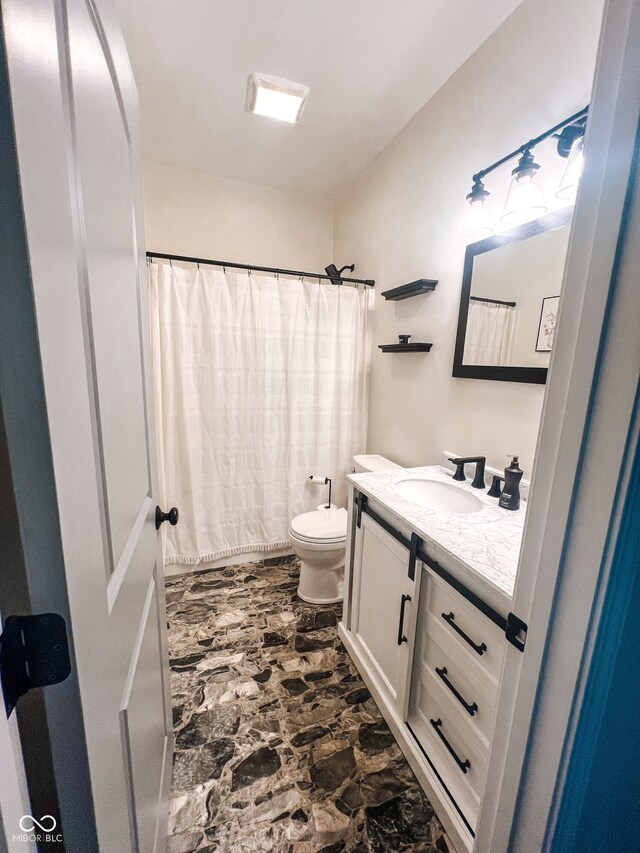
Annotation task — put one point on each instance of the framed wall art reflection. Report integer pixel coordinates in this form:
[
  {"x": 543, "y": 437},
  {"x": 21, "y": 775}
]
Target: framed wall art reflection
[{"x": 547, "y": 324}]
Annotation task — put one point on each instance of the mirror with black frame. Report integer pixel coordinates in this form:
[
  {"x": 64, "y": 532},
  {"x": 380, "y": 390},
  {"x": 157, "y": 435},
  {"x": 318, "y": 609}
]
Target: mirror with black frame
[{"x": 510, "y": 293}]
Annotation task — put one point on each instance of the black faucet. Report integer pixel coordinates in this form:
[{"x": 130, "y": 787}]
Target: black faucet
[
  {"x": 495, "y": 489},
  {"x": 478, "y": 480}
]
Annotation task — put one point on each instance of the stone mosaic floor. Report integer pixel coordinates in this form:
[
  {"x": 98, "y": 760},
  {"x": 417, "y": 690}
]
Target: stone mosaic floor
[{"x": 279, "y": 746}]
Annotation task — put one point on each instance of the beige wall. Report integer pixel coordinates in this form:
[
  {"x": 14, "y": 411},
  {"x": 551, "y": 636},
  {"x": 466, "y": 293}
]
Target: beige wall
[
  {"x": 189, "y": 213},
  {"x": 399, "y": 220}
]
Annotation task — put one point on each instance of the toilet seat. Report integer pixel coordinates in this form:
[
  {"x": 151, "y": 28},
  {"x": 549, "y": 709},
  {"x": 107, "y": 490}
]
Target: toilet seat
[{"x": 322, "y": 526}]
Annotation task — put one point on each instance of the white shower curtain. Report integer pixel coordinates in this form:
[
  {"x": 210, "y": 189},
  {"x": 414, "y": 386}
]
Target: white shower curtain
[
  {"x": 258, "y": 382},
  {"x": 490, "y": 332}
]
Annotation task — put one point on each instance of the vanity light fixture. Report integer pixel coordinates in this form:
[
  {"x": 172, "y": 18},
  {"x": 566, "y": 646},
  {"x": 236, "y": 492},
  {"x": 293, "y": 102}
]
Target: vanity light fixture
[
  {"x": 476, "y": 221},
  {"x": 571, "y": 141},
  {"x": 525, "y": 199},
  {"x": 275, "y": 97}
]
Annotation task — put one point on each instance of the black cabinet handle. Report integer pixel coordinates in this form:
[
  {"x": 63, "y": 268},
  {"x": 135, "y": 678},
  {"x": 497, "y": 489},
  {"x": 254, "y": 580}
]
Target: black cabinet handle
[
  {"x": 171, "y": 516},
  {"x": 463, "y": 765},
  {"x": 470, "y": 709},
  {"x": 401, "y": 637},
  {"x": 449, "y": 617}
]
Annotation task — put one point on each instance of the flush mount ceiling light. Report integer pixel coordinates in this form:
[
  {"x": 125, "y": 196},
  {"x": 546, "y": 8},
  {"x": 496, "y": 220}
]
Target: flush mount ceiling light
[
  {"x": 275, "y": 97},
  {"x": 525, "y": 198}
]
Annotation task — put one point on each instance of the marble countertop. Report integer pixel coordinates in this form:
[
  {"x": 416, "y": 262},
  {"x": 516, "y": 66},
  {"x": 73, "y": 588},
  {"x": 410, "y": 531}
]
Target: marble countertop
[{"x": 485, "y": 543}]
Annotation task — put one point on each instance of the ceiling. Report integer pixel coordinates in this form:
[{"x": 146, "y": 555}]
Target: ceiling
[{"x": 370, "y": 65}]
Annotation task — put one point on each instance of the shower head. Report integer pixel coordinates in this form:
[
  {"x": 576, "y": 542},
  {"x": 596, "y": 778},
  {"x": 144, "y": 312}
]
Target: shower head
[{"x": 334, "y": 273}]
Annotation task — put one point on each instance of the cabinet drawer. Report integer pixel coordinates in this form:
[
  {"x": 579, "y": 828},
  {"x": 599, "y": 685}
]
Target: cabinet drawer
[
  {"x": 481, "y": 642},
  {"x": 462, "y": 690},
  {"x": 456, "y": 753}
]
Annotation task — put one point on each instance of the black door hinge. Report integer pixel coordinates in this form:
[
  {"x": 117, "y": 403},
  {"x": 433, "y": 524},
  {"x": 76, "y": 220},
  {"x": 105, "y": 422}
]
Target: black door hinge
[
  {"x": 34, "y": 652},
  {"x": 516, "y": 631}
]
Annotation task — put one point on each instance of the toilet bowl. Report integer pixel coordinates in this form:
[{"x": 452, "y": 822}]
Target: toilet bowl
[{"x": 319, "y": 539}]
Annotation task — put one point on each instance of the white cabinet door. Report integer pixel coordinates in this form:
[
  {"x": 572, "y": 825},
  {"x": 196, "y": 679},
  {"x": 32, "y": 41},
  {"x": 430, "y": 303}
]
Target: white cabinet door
[
  {"x": 385, "y": 608},
  {"x": 75, "y": 395}
]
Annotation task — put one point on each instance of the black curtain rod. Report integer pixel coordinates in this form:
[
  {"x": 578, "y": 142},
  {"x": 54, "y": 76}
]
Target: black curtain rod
[
  {"x": 581, "y": 114},
  {"x": 492, "y": 301},
  {"x": 252, "y": 267}
]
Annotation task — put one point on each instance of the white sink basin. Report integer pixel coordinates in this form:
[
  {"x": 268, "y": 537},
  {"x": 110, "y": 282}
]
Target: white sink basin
[{"x": 438, "y": 496}]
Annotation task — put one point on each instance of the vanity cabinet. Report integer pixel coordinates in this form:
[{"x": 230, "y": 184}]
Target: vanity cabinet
[
  {"x": 430, "y": 656},
  {"x": 385, "y": 606}
]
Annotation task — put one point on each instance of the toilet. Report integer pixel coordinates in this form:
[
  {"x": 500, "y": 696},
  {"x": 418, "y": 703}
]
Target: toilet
[{"x": 319, "y": 538}]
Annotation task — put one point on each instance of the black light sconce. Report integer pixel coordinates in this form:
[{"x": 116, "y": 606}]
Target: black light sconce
[
  {"x": 568, "y": 136},
  {"x": 525, "y": 200},
  {"x": 571, "y": 146},
  {"x": 477, "y": 219}
]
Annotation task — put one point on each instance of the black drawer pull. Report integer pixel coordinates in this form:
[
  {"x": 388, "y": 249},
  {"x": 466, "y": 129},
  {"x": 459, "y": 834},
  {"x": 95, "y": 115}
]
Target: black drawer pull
[
  {"x": 463, "y": 765},
  {"x": 449, "y": 617},
  {"x": 470, "y": 709},
  {"x": 401, "y": 637}
]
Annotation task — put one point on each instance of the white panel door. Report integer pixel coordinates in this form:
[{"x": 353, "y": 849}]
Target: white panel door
[
  {"x": 74, "y": 109},
  {"x": 582, "y": 469}
]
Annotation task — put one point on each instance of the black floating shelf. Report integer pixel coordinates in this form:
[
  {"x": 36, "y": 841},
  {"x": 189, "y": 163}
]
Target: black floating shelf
[
  {"x": 414, "y": 288},
  {"x": 405, "y": 347}
]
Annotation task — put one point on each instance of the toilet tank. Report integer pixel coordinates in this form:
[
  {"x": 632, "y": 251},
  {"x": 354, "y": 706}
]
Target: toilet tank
[{"x": 373, "y": 462}]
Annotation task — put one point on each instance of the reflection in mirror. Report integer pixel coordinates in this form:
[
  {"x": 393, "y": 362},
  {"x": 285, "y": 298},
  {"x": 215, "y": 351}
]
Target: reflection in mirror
[
  {"x": 508, "y": 287},
  {"x": 510, "y": 295}
]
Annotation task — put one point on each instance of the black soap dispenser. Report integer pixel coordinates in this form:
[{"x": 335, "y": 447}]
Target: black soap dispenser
[{"x": 510, "y": 497}]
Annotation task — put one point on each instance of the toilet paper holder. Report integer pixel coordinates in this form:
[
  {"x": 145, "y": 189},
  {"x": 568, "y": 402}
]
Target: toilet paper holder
[{"x": 318, "y": 479}]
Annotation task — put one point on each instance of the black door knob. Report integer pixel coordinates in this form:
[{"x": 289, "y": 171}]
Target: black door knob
[{"x": 171, "y": 516}]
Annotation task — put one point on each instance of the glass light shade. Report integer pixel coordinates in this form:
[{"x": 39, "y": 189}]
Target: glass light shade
[
  {"x": 525, "y": 199},
  {"x": 476, "y": 219},
  {"x": 568, "y": 187}
]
